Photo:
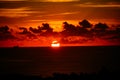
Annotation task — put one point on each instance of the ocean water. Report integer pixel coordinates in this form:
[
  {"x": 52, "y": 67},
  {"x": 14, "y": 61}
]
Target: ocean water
[{"x": 47, "y": 60}]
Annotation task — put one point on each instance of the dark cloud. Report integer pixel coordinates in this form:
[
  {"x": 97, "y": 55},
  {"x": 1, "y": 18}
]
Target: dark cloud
[
  {"x": 5, "y": 33},
  {"x": 101, "y": 26},
  {"x": 24, "y": 30},
  {"x": 85, "y": 24},
  {"x": 79, "y": 34},
  {"x": 25, "y": 34},
  {"x": 35, "y": 30},
  {"x": 71, "y": 34}
]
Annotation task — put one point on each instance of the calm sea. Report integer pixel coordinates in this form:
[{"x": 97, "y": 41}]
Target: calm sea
[{"x": 47, "y": 60}]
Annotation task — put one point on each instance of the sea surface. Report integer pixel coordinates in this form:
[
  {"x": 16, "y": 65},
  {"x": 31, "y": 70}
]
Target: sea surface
[{"x": 47, "y": 60}]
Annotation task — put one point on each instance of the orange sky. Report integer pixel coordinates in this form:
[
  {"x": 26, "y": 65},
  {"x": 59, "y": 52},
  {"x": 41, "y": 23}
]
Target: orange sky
[{"x": 32, "y": 13}]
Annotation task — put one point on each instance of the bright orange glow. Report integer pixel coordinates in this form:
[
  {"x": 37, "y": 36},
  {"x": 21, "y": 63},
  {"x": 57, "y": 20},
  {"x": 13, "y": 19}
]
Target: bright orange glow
[
  {"x": 55, "y": 44},
  {"x": 59, "y": 0}
]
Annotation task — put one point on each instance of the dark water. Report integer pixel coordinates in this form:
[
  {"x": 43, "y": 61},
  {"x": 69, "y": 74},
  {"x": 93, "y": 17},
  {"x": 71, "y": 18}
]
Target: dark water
[{"x": 47, "y": 60}]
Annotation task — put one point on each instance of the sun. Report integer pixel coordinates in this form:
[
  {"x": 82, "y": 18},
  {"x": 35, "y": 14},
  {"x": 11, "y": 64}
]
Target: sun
[{"x": 55, "y": 44}]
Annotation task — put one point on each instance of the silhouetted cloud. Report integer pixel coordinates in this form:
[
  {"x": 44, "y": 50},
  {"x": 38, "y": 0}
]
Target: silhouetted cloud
[
  {"x": 85, "y": 24},
  {"x": 72, "y": 30},
  {"x": 85, "y": 32},
  {"x": 46, "y": 26},
  {"x": 25, "y": 34},
  {"x": 101, "y": 27},
  {"x": 5, "y": 33},
  {"x": 25, "y": 31},
  {"x": 35, "y": 30}
]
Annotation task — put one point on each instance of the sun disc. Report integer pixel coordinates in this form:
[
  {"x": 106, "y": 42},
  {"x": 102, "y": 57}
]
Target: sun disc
[{"x": 55, "y": 44}]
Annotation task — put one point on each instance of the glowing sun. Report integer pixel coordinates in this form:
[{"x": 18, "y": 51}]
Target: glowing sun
[{"x": 55, "y": 44}]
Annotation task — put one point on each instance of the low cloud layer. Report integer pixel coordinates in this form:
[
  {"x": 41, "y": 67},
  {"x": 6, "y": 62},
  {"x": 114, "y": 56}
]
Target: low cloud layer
[{"x": 84, "y": 33}]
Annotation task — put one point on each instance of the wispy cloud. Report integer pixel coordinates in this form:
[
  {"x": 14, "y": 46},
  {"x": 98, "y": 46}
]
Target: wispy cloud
[
  {"x": 16, "y": 12},
  {"x": 99, "y": 5},
  {"x": 62, "y": 14}
]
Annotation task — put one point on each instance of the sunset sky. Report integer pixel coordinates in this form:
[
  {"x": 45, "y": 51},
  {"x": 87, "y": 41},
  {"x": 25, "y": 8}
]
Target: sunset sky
[
  {"x": 34, "y": 12},
  {"x": 27, "y": 13}
]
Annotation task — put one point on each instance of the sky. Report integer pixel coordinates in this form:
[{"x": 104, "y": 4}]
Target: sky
[{"x": 32, "y": 13}]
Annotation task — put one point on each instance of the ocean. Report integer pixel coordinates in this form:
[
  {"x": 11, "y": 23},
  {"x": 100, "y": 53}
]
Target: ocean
[{"x": 47, "y": 60}]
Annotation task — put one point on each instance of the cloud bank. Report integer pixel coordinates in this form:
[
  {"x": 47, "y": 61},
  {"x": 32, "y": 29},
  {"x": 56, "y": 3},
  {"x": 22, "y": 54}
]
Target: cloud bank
[{"x": 84, "y": 33}]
